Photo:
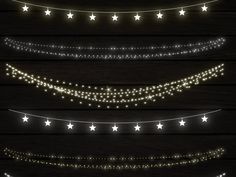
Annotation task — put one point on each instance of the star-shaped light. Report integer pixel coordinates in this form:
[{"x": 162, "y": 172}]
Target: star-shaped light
[
  {"x": 182, "y": 12},
  {"x": 137, "y": 128},
  {"x": 70, "y": 15},
  {"x": 137, "y": 17},
  {"x": 114, "y": 128},
  {"x": 204, "y": 8},
  {"x": 25, "y": 118},
  {"x": 25, "y": 8},
  {"x": 115, "y": 17},
  {"x": 159, "y": 126},
  {"x": 159, "y": 15},
  {"x": 48, "y": 123},
  {"x": 204, "y": 118},
  {"x": 47, "y": 12},
  {"x": 70, "y": 126},
  {"x": 92, "y": 17},
  {"x": 182, "y": 123},
  {"x": 92, "y": 128}
]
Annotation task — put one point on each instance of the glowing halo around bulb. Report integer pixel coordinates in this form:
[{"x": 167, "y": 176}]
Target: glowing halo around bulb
[
  {"x": 109, "y": 53},
  {"x": 114, "y": 126},
  {"x": 191, "y": 159},
  {"x": 114, "y": 97},
  {"x": 136, "y": 17}
]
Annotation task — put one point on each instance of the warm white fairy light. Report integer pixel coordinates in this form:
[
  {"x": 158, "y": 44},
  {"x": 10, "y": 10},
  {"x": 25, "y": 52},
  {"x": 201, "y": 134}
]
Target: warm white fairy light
[
  {"x": 92, "y": 128},
  {"x": 137, "y": 17},
  {"x": 178, "y": 160},
  {"x": 115, "y": 17},
  {"x": 160, "y": 15},
  {"x": 137, "y": 128},
  {"x": 48, "y": 123},
  {"x": 204, "y": 118},
  {"x": 114, "y": 128},
  {"x": 204, "y": 8},
  {"x": 25, "y": 118},
  {"x": 115, "y": 98},
  {"x": 182, "y": 123},
  {"x": 159, "y": 125},
  {"x": 70, "y": 126},
  {"x": 25, "y": 8},
  {"x": 163, "y": 51},
  {"x": 92, "y": 17},
  {"x": 70, "y": 15},
  {"x": 47, "y": 12},
  {"x": 182, "y": 12}
]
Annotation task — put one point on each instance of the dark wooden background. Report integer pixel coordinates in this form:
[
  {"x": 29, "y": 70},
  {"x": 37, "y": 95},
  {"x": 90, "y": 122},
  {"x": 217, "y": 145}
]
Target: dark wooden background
[{"x": 217, "y": 93}]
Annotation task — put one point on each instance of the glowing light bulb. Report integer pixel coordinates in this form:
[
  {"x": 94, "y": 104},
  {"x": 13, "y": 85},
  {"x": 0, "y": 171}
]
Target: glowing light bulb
[
  {"x": 47, "y": 12},
  {"x": 92, "y": 17},
  {"x": 115, "y": 128},
  {"x": 137, "y": 128},
  {"x": 70, "y": 15},
  {"x": 204, "y": 119},
  {"x": 25, "y": 118},
  {"x": 159, "y": 126},
  {"x": 182, "y": 12},
  {"x": 159, "y": 15},
  {"x": 204, "y": 8},
  {"x": 182, "y": 123},
  {"x": 48, "y": 123},
  {"x": 115, "y": 17},
  {"x": 70, "y": 126},
  {"x": 137, "y": 17},
  {"x": 25, "y": 8},
  {"x": 92, "y": 128}
]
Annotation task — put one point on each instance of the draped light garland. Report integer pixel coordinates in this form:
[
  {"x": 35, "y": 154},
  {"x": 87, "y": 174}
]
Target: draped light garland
[
  {"x": 81, "y": 52},
  {"x": 137, "y": 125},
  {"x": 114, "y": 97},
  {"x": 220, "y": 175},
  {"x": 159, "y": 13},
  {"x": 192, "y": 160}
]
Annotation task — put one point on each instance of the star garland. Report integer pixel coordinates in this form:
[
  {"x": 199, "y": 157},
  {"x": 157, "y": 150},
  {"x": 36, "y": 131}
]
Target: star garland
[
  {"x": 159, "y": 13},
  {"x": 150, "y": 164},
  {"x": 81, "y": 52},
  {"x": 137, "y": 125},
  {"x": 113, "y": 97}
]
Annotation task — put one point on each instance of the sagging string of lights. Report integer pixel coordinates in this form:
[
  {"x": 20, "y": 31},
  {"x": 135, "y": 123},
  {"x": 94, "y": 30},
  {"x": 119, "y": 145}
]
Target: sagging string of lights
[
  {"x": 94, "y": 125},
  {"x": 114, "y": 97},
  {"x": 113, "y": 158},
  {"x": 137, "y": 15},
  {"x": 220, "y": 175},
  {"x": 119, "y": 166},
  {"x": 165, "y": 51},
  {"x": 217, "y": 41}
]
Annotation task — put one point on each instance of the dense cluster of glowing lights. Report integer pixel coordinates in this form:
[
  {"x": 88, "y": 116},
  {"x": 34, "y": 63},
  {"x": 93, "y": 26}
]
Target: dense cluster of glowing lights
[
  {"x": 114, "y": 97},
  {"x": 193, "y": 158},
  {"x": 159, "y": 13},
  {"x": 220, "y": 175},
  {"x": 137, "y": 125},
  {"x": 84, "y": 52}
]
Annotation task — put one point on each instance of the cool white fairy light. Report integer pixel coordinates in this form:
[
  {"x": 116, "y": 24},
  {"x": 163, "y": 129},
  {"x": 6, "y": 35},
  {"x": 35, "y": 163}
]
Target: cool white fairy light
[
  {"x": 80, "y": 53},
  {"x": 115, "y": 125},
  {"x": 137, "y": 17},
  {"x": 117, "y": 97},
  {"x": 191, "y": 159}
]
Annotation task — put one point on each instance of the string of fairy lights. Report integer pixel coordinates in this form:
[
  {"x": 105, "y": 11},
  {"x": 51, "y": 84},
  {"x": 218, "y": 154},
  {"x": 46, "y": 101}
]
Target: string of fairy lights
[
  {"x": 94, "y": 125},
  {"x": 114, "y": 97},
  {"x": 113, "y": 158},
  {"x": 220, "y": 175},
  {"x": 79, "y": 52},
  {"x": 93, "y": 15},
  {"x": 150, "y": 164}
]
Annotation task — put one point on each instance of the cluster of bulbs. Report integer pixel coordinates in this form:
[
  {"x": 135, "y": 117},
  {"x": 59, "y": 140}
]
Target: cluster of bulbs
[
  {"x": 159, "y": 13},
  {"x": 115, "y": 97},
  {"x": 114, "y": 158},
  {"x": 216, "y": 42},
  {"x": 118, "y": 166},
  {"x": 221, "y": 175},
  {"x": 159, "y": 51},
  {"x": 115, "y": 125}
]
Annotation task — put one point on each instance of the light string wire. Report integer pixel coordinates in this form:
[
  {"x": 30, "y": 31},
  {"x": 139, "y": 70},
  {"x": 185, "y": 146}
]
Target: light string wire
[
  {"x": 168, "y": 51},
  {"x": 116, "y": 158},
  {"x": 122, "y": 166},
  {"x": 220, "y": 175},
  {"x": 218, "y": 41},
  {"x": 112, "y": 12},
  {"x": 118, "y": 123}
]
